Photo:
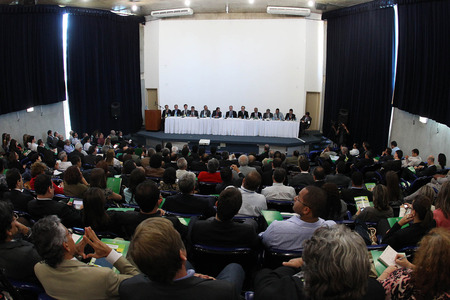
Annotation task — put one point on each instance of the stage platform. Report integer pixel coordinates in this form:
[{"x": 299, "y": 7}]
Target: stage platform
[{"x": 312, "y": 140}]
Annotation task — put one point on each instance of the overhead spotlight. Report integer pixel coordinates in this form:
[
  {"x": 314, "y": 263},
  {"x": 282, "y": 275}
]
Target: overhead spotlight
[
  {"x": 310, "y": 3},
  {"x": 187, "y": 2},
  {"x": 134, "y": 8}
]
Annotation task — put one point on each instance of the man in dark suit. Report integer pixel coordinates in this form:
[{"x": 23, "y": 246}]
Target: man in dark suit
[
  {"x": 290, "y": 116},
  {"x": 166, "y": 112},
  {"x": 243, "y": 114},
  {"x": 393, "y": 165},
  {"x": 186, "y": 202},
  {"x": 304, "y": 178},
  {"x": 44, "y": 205},
  {"x": 268, "y": 114},
  {"x": 278, "y": 116},
  {"x": 305, "y": 122},
  {"x": 339, "y": 178},
  {"x": 205, "y": 113},
  {"x": 176, "y": 112},
  {"x": 221, "y": 230},
  {"x": 148, "y": 198},
  {"x": 319, "y": 176},
  {"x": 185, "y": 110},
  {"x": 217, "y": 113},
  {"x": 421, "y": 170},
  {"x": 231, "y": 113},
  {"x": 17, "y": 195},
  {"x": 158, "y": 251},
  {"x": 357, "y": 190},
  {"x": 255, "y": 114},
  {"x": 193, "y": 113}
]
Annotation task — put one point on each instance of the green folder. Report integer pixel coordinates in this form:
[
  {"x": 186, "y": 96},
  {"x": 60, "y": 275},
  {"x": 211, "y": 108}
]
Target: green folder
[
  {"x": 271, "y": 215},
  {"x": 379, "y": 266},
  {"x": 119, "y": 246},
  {"x": 370, "y": 186},
  {"x": 121, "y": 208},
  {"x": 114, "y": 184},
  {"x": 392, "y": 221},
  {"x": 184, "y": 221}
]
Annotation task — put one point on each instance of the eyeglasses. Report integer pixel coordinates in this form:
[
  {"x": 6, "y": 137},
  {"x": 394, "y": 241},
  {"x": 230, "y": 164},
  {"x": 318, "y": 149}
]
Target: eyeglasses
[
  {"x": 70, "y": 231},
  {"x": 297, "y": 198}
]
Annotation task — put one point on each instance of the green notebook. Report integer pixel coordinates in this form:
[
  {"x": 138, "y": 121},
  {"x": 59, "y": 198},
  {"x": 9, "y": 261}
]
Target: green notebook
[
  {"x": 184, "y": 221},
  {"x": 392, "y": 221},
  {"x": 379, "y": 266},
  {"x": 370, "y": 186},
  {"x": 362, "y": 202},
  {"x": 271, "y": 215},
  {"x": 114, "y": 184},
  {"x": 119, "y": 246},
  {"x": 121, "y": 208}
]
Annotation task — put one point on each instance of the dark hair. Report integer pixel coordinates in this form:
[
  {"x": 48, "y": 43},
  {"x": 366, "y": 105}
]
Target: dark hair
[
  {"x": 49, "y": 132},
  {"x": 277, "y": 162},
  {"x": 226, "y": 174},
  {"x": 98, "y": 178},
  {"x": 72, "y": 175},
  {"x": 94, "y": 213},
  {"x": 169, "y": 146},
  {"x": 422, "y": 206},
  {"x": 158, "y": 148},
  {"x": 194, "y": 148},
  {"x": 42, "y": 183},
  {"x": 252, "y": 181},
  {"x": 389, "y": 151},
  {"x": 357, "y": 178},
  {"x": 147, "y": 195},
  {"x": 380, "y": 197},
  {"x": 340, "y": 167},
  {"x": 75, "y": 159},
  {"x": 319, "y": 173},
  {"x": 229, "y": 203},
  {"x": 332, "y": 209},
  {"x": 137, "y": 176},
  {"x": 170, "y": 176},
  {"x": 303, "y": 163},
  {"x": 12, "y": 177},
  {"x": 316, "y": 200},
  {"x": 394, "y": 143},
  {"x": 128, "y": 167},
  {"x": 416, "y": 151},
  {"x": 399, "y": 154},
  {"x": 393, "y": 188},
  {"x": 213, "y": 150},
  {"x": 279, "y": 174},
  {"x": 155, "y": 161},
  {"x": 49, "y": 235},
  {"x": 6, "y": 218},
  {"x": 442, "y": 160}
]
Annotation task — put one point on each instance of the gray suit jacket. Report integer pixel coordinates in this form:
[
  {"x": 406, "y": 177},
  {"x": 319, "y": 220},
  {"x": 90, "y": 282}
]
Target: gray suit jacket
[{"x": 73, "y": 279}]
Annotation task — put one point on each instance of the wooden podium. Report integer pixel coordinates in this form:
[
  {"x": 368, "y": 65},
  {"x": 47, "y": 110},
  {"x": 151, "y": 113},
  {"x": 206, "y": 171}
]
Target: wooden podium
[{"x": 153, "y": 120}]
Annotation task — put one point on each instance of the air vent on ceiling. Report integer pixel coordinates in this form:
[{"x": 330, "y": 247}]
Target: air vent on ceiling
[
  {"x": 172, "y": 12},
  {"x": 296, "y": 11}
]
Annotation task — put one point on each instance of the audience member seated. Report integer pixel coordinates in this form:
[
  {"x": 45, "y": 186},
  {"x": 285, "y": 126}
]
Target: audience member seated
[
  {"x": 442, "y": 212},
  {"x": 149, "y": 199},
  {"x": 39, "y": 168},
  {"x": 364, "y": 162},
  {"x": 155, "y": 169},
  {"x": 137, "y": 176},
  {"x": 200, "y": 165},
  {"x": 304, "y": 178},
  {"x": 380, "y": 209},
  {"x": 319, "y": 176},
  {"x": 429, "y": 275},
  {"x": 186, "y": 202},
  {"x": 386, "y": 155},
  {"x": 395, "y": 194},
  {"x": 278, "y": 191},
  {"x": 63, "y": 276},
  {"x": 357, "y": 190},
  {"x": 412, "y": 161},
  {"x": 182, "y": 167},
  {"x": 64, "y": 164},
  {"x": 169, "y": 182},
  {"x": 91, "y": 156},
  {"x": 226, "y": 174},
  {"x": 421, "y": 170},
  {"x": 98, "y": 179},
  {"x": 17, "y": 256},
  {"x": 44, "y": 205},
  {"x": 442, "y": 161},
  {"x": 13, "y": 162},
  {"x": 112, "y": 160},
  {"x": 74, "y": 183},
  {"x": 243, "y": 165},
  {"x": 252, "y": 202},
  {"x": 422, "y": 221},
  {"x": 16, "y": 194},
  {"x": 267, "y": 175},
  {"x": 334, "y": 265},
  {"x": 393, "y": 165},
  {"x": 158, "y": 251},
  {"x": 94, "y": 214},
  {"x": 336, "y": 208},
  {"x": 340, "y": 179},
  {"x": 221, "y": 230},
  {"x": 290, "y": 234},
  {"x": 212, "y": 175}
]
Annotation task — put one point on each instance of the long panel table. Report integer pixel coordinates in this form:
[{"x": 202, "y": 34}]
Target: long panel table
[{"x": 229, "y": 126}]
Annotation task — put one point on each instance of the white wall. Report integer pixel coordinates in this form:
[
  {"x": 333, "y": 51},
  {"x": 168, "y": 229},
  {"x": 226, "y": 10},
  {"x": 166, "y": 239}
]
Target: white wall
[
  {"x": 431, "y": 138},
  {"x": 266, "y": 63},
  {"x": 34, "y": 123}
]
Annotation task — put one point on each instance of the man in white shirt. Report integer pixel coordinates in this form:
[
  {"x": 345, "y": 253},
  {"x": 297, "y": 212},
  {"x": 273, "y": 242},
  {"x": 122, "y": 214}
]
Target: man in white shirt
[
  {"x": 252, "y": 202},
  {"x": 278, "y": 191},
  {"x": 412, "y": 161}
]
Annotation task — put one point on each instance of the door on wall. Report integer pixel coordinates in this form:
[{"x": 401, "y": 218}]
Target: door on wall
[
  {"x": 313, "y": 106},
  {"x": 152, "y": 99}
]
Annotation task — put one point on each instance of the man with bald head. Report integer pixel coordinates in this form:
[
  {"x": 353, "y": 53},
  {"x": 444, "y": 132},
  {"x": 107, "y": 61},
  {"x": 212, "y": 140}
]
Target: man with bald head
[{"x": 252, "y": 202}]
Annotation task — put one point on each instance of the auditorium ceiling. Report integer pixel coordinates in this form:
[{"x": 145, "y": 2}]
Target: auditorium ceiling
[{"x": 144, "y": 7}]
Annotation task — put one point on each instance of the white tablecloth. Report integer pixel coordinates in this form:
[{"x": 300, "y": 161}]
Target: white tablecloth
[{"x": 239, "y": 127}]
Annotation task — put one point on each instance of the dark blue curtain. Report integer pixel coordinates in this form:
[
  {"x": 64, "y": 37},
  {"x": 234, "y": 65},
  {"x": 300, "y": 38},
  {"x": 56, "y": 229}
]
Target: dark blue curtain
[
  {"x": 423, "y": 67},
  {"x": 103, "y": 67},
  {"x": 31, "y": 57},
  {"x": 359, "y": 73}
]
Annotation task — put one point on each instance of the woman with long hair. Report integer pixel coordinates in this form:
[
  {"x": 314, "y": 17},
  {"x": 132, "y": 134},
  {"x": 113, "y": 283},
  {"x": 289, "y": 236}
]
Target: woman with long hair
[
  {"x": 169, "y": 182},
  {"x": 335, "y": 208},
  {"x": 74, "y": 183},
  {"x": 111, "y": 160},
  {"x": 428, "y": 277},
  {"x": 442, "y": 212},
  {"x": 393, "y": 189},
  {"x": 98, "y": 179},
  {"x": 422, "y": 221},
  {"x": 380, "y": 209},
  {"x": 94, "y": 213},
  {"x": 136, "y": 177}
]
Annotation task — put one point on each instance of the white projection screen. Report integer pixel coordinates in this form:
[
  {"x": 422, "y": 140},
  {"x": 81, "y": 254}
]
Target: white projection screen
[{"x": 258, "y": 63}]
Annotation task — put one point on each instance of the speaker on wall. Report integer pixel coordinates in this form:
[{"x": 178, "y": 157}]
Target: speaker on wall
[
  {"x": 343, "y": 116},
  {"x": 115, "y": 110}
]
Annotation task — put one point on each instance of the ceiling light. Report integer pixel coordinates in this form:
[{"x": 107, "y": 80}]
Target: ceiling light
[
  {"x": 310, "y": 3},
  {"x": 30, "y": 109},
  {"x": 423, "y": 120},
  {"x": 187, "y": 2},
  {"x": 134, "y": 8}
]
